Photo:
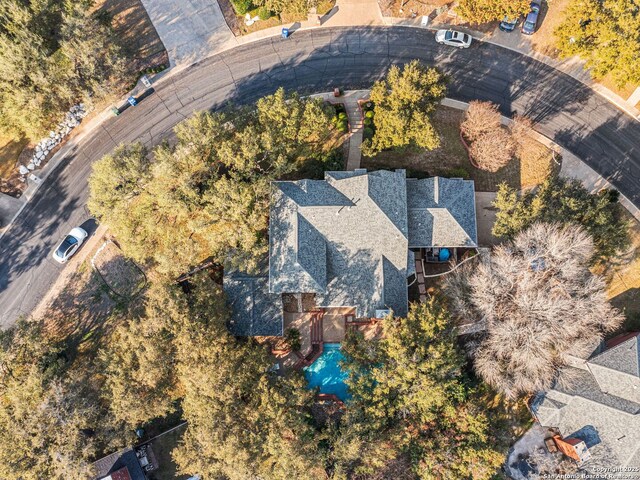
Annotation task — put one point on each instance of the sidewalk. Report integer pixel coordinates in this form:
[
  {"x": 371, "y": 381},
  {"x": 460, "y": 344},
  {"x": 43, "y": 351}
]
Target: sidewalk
[
  {"x": 572, "y": 166},
  {"x": 350, "y": 100},
  {"x": 574, "y": 67}
]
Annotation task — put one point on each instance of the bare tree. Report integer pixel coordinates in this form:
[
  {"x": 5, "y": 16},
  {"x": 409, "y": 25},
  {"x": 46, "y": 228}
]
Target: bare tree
[
  {"x": 491, "y": 145},
  {"x": 538, "y": 302},
  {"x": 480, "y": 119}
]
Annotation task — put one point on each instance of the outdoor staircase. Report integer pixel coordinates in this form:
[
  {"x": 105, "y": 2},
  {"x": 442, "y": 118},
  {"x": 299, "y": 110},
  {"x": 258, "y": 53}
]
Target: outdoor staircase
[{"x": 316, "y": 341}]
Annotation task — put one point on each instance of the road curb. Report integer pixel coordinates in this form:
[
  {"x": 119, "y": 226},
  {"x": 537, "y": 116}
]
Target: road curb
[{"x": 572, "y": 166}]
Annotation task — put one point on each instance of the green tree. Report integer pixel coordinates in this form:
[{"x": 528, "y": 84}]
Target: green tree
[
  {"x": 244, "y": 422},
  {"x": 563, "y": 200},
  {"x": 52, "y": 55},
  {"x": 139, "y": 371},
  {"x": 410, "y": 398},
  {"x": 44, "y": 420},
  {"x": 404, "y": 104},
  {"x": 483, "y": 11},
  {"x": 208, "y": 195},
  {"x": 606, "y": 34}
]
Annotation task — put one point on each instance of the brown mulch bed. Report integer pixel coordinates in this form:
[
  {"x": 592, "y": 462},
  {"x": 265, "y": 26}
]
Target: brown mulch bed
[{"x": 230, "y": 17}]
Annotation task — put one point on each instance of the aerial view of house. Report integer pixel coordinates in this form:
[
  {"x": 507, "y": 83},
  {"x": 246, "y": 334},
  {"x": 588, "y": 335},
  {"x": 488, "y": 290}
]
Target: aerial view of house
[
  {"x": 351, "y": 241},
  {"x": 319, "y": 240}
]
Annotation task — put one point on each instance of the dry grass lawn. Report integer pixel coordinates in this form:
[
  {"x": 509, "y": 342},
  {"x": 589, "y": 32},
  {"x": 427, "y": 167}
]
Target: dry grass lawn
[
  {"x": 623, "y": 276},
  {"x": 533, "y": 162}
]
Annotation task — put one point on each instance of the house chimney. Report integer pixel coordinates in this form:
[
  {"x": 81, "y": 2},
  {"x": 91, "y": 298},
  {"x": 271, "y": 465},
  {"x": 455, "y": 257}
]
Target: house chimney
[{"x": 573, "y": 448}]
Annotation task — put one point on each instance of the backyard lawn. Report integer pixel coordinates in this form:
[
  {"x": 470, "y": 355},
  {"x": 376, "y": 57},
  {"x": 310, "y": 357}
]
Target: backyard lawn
[{"x": 533, "y": 162}]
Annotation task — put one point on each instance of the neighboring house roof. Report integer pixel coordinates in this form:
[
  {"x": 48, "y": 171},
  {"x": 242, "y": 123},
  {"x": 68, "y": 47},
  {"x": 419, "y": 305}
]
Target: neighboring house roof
[
  {"x": 254, "y": 311},
  {"x": 113, "y": 464},
  {"x": 441, "y": 212},
  {"x": 599, "y": 404},
  {"x": 346, "y": 238}
]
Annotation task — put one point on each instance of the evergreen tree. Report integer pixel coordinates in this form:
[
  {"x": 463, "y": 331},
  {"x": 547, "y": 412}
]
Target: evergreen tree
[
  {"x": 605, "y": 33},
  {"x": 207, "y": 196},
  {"x": 52, "y": 54},
  {"x": 404, "y": 104},
  {"x": 410, "y": 398},
  {"x": 563, "y": 200}
]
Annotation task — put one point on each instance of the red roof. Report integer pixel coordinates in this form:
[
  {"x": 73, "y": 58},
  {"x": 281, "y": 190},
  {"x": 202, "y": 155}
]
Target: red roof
[
  {"x": 122, "y": 474},
  {"x": 619, "y": 339}
]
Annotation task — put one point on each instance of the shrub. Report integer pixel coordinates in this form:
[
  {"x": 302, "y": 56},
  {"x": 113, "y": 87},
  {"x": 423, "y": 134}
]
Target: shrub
[
  {"x": 264, "y": 13},
  {"x": 342, "y": 116},
  {"x": 343, "y": 126},
  {"x": 292, "y": 339},
  {"x": 368, "y": 132},
  {"x": 242, "y": 6},
  {"x": 368, "y": 114},
  {"x": 492, "y": 147},
  {"x": 368, "y": 121}
]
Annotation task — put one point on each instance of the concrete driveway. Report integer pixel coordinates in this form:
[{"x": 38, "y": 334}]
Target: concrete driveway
[{"x": 191, "y": 30}]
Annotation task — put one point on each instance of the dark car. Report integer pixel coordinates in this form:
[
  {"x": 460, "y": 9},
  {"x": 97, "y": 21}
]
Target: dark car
[
  {"x": 530, "y": 23},
  {"x": 508, "y": 24}
]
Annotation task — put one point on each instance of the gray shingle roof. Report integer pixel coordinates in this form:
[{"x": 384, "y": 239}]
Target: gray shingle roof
[
  {"x": 609, "y": 423},
  {"x": 441, "y": 212},
  {"x": 624, "y": 357},
  {"x": 254, "y": 311},
  {"x": 343, "y": 238}
]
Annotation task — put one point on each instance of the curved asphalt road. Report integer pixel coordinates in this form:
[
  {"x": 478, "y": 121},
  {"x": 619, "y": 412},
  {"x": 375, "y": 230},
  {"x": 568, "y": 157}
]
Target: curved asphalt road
[{"x": 316, "y": 61}]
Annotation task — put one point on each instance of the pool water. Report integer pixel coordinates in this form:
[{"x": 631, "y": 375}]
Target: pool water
[{"x": 325, "y": 372}]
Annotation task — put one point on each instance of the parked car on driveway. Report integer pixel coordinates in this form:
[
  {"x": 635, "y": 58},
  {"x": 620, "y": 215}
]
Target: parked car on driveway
[
  {"x": 453, "y": 38},
  {"x": 508, "y": 24},
  {"x": 531, "y": 21},
  {"x": 70, "y": 245}
]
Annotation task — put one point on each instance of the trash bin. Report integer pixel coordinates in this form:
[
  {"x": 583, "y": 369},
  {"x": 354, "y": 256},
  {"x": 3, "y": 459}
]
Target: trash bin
[
  {"x": 132, "y": 101},
  {"x": 285, "y": 33}
]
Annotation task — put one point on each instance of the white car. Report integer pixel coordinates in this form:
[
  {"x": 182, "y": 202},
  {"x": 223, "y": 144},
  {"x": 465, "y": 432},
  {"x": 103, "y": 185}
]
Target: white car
[
  {"x": 70, "y": 245},
  {"x": 453, "y": 38}
]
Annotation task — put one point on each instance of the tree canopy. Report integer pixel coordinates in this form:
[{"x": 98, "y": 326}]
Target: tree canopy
[
  {"x": 45, "y": 420},
  {"x": 535, "y": 301},
  {"x": 52, "y": 54},
  {"x": 412, "y": 407},
  {"x": 606, "y": 34},
  {"x": 208, "y": 195},
  {"x": 404, "y": 102},
  {"x": 564, "y": 200},
  {"x": 482, "y": 11}
]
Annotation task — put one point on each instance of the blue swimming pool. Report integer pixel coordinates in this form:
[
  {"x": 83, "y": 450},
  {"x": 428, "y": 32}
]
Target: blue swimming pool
[{"x": 325, "y": 372}]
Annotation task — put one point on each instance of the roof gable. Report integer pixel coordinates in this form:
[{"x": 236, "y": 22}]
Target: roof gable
[
  {"x": 441, "y": 212},
  {"x": 624, "y": 357}
]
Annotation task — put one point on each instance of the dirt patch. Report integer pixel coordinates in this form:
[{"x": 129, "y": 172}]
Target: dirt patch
[
  {"x": 138, "y": 37},
  {"x": 533, "y": 163},
  {"x": 10, "y": 182},
  {"x": 120, "y": 274},
  {"x": 407, "y": 8}
]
